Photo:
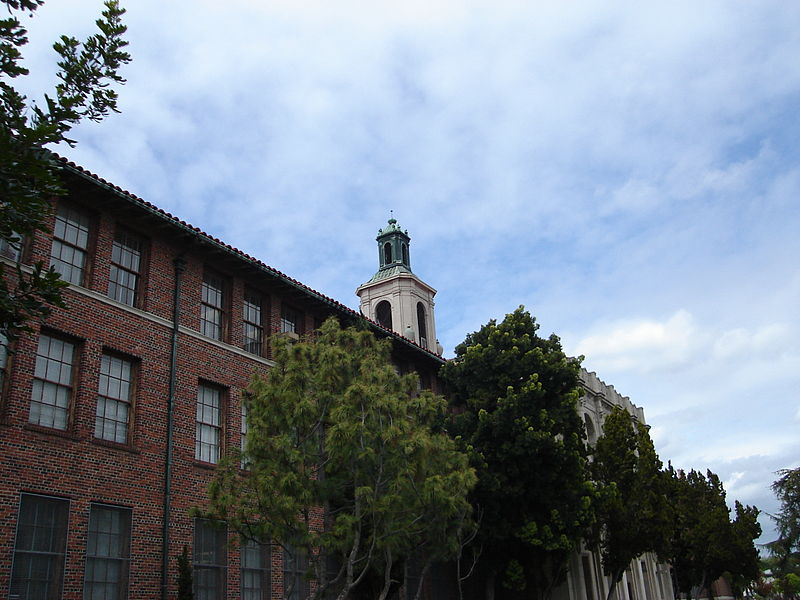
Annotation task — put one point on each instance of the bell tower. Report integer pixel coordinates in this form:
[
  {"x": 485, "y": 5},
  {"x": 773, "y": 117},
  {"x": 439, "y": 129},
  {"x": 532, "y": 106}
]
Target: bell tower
[{"x": 396, "y": 298}]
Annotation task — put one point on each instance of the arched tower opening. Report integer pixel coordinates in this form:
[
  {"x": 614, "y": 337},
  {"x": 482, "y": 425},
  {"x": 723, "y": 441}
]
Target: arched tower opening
[
  {"x": 422, "y": 325},
  {"x": 383, "y": 314}
]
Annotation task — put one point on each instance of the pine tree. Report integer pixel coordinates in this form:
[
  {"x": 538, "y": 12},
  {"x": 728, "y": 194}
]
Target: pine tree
[{"x": 346, "y": 462}]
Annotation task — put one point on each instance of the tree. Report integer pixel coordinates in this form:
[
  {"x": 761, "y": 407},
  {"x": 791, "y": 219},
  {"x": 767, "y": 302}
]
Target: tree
[
  {"x": 705, "y": 544},
  {"x": 28, "y": 172},
  {"x": 514, "y": 396},
  {"x": 633, "y": 515},
  {"x": 744, "y": 568},
  {"x": 185, "y": 591},
  {"x": 785, "y": 550},
  {"x": 346, "y": 465}
]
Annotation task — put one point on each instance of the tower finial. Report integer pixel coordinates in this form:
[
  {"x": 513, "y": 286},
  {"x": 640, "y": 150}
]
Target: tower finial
[{"x": 392, "y": 220}]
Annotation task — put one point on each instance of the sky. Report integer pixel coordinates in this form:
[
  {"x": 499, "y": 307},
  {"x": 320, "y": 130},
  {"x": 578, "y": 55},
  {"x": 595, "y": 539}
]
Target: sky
[{"x": 628, "y": 171}]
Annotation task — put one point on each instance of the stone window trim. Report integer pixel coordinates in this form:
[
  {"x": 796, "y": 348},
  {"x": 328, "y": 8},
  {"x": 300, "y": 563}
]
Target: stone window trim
[
  {"x": 214, "y": 309},
  {"x": 211, "y": 409},
  {"x": 42, "y": 530},
  {"x": 133, "y": 365}
]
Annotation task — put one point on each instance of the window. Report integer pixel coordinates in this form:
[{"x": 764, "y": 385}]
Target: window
[
  {"x": 422, "y": 325},
  {"x": 210, "y": 560},
  {"x": 3, "y": 360},
  {"x": 405, "y": 254},
  {"x": 126, "y": 259},
  {"x": 244, "y": 431},
  {"x": 12, "y": 250},
  {"x": 383, "y": 314},
  {"x": 295, "y": 565},
  {"x": 209, "y": 430},
  {"x": 253, "y": 330},
  {"x": 39, "y": 548},
  {"x": 107, "y": 553},
  {"x": 290, "y": 321},
  {"x": 114, "y": 399},
  {"x": 255, "y": 570},
  {"x": 387, "y": 253},
  {"x": 212, "y": 311},
  {"x": 70, "y": 243},
  {"x": 52, "y": 386}
]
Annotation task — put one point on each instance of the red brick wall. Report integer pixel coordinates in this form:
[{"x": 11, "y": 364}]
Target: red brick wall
[{"x": 74, "y": 465}]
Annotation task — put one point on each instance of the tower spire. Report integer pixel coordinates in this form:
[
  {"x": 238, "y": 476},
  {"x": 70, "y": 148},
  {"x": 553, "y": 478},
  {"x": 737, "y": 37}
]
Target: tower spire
[{"x": 395, "y": 297}]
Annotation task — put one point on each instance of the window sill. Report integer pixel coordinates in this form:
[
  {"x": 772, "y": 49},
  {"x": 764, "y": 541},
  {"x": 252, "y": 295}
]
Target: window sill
[
  {"x": 115, "y": 445},
  {"x": 62, "y": 433},
  {"x": 204, "y": 465}
]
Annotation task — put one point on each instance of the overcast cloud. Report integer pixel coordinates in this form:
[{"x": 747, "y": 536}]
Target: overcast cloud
[{"x": 628, "y": 171}]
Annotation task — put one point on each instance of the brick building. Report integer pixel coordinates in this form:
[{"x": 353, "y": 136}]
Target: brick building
[{"x": 115, "y": 411}]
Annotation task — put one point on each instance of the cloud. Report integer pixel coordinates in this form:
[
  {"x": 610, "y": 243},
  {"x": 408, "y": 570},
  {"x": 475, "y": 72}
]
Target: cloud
[
  {"x": 628, "y": 172},
  {"x": 642, "y": 343}
]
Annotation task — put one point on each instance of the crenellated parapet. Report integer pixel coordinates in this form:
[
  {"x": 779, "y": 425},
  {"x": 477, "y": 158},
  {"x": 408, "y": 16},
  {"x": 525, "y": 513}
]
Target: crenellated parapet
[{"x": 598, "y": 400}]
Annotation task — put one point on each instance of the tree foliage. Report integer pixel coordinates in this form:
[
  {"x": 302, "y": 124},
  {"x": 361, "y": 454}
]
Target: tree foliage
[
  {"x": 705, "y": 544},
  {"x": 345, "y": 463},
  {"x": 185, "y": 591},
  {"x": 785, "y": 550},
  {"x": 633, "y": 513},
  {"x": 29, "y": 173},
  {"x": 514, "y": 395}
]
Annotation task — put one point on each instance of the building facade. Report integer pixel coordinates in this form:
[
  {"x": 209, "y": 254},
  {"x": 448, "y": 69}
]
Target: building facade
[
  {"x": 115, "y": 411},
  {"x": 646, "y": 578}
]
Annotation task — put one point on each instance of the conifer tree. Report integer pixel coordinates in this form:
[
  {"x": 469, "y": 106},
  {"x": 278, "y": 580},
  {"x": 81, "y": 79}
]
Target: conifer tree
[
  {"x": 346, "y": 465},
  {"x": 633, "y": 514}
]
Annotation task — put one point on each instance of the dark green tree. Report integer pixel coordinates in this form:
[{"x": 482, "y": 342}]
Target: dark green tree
[
  {"x": 785, "y": 551},
  {"x": 185, "y": 591},
  {"x": 744, "y": 569},
  {"x": 346, "y": 464},
  {"x": 28, "y": 172},
  {"x": 633, "y": 514},
  {"x": 514, "y": 396},
  {"x": 705, "y": 544}
]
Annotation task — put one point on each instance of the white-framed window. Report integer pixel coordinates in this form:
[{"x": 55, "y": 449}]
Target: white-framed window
[
  {"x": 52, "y": 384},
  {"x": 114, "y": 399},
  {"x": 70, "y": 243},
  {"x": 253, "y": 328},
  {"x": 126, "y": 264},
  {"x": 212, "y": 306},
  {"x": 209, "y": 428}
]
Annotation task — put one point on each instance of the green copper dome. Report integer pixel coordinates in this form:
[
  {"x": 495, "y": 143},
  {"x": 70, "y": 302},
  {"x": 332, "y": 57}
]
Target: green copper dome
[{"x": 393, "y": 252}]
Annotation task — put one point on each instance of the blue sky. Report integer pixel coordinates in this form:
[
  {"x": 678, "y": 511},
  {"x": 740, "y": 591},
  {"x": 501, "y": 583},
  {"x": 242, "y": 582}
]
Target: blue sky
[{"x": 627, "y": 171}]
